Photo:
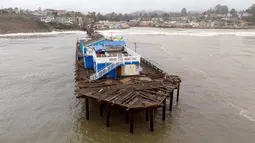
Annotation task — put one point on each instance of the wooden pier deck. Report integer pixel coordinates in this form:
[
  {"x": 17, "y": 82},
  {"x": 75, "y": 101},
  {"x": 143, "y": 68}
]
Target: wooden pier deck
[{"x": 147, "y": 91}]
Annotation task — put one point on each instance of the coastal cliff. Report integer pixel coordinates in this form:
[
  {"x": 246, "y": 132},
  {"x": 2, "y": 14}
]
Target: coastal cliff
[{"x": 13, "y": 23}]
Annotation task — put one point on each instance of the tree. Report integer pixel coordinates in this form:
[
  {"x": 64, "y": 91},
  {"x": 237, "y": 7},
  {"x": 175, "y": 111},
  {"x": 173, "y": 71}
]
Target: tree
[
  {"x": 224, "y": 9},
  {"x": 210, "y": 11},
  {"x": 221, "y": 9},
  {"x": 145, "y": 15},
  {"x": 99, "y": 17},
  {"x": 92, "y": 16},
  {"x": 217, "y": 9},
  {"x": 251, "y": 10},
  {"x": 232, "y": 11},
  {"x": 184, "y": 12},
  {"x": 140, "y": 15},
  {"x": 166, "y": 15},
  {"x": 154, "y": 15}
]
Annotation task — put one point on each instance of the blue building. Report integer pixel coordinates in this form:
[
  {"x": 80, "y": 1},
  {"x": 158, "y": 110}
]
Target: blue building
[{"x": 110, "y": 59}]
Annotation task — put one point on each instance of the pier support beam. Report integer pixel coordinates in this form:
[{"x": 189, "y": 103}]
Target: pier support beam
[
  {"x": 178, "y": 92},
  {"x": 108, "y": 116},
  {"x": 87, "y": 107},
  {"x": 101, "y": 110},
  {"x": 131, "y": 128},
  {"x": 151, "y": 120},
  {"x": 171, "y": 101},
  {"x": 164, "y": 110},
  {"x": 127, "y": 116},
  {"x": 147, "y": 114}
]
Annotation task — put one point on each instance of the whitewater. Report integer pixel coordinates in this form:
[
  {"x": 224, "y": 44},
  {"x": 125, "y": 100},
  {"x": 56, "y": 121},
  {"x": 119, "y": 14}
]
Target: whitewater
[
  {"x": 179, "y": 32},
  {"x": 146, "y": 31},
  {"x": 53, "y": 33}
]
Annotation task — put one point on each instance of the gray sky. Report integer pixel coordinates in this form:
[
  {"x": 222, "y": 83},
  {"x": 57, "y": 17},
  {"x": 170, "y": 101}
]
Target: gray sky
[{"x": 126, "y": 5}]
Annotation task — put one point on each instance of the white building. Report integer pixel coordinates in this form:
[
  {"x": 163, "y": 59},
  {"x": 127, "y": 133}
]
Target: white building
[
  {"x": 194, "y": 24},
  {"x": 47, "y": 19},
  {"x": 157, "y": 19}
]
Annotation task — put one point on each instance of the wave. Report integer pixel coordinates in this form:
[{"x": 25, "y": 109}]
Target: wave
[
  {"x": 198, "y": 32},
  {"x": 242, "y": 112},
  {"x": 40, "y": 34},
  {"x": 164, "y": 49}
]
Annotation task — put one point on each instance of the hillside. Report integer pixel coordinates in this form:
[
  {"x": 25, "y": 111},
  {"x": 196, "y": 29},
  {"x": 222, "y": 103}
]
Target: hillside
[{"x": 12, "y": 23}]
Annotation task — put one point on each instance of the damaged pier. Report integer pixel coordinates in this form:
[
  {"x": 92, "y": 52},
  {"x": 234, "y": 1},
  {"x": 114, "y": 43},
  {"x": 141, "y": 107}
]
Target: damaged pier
[{"x": 148, "y": 91}]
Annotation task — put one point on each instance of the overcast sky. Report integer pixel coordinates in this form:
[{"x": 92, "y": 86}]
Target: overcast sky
[{"x": 125, "y": 5}]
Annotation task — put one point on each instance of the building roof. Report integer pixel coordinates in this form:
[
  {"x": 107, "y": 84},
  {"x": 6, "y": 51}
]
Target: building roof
[
  {"x": 99, "y": 47},
  {"x": 114, "y": 43}
]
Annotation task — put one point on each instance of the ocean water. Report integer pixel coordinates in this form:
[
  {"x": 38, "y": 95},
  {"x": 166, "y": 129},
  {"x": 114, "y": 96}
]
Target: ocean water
[{"x": 38, "y": 104}]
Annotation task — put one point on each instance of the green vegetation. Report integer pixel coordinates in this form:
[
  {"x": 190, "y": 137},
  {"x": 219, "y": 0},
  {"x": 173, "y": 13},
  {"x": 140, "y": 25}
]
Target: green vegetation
[{"x": 251, "y": 10}]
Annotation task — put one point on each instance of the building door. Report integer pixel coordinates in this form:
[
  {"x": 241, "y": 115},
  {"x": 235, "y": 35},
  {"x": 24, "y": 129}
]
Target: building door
[{"x": 119, "y": 71}]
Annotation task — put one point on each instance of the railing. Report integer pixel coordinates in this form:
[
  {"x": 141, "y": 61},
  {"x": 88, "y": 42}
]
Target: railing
[
  {"x": 115, "y": 61},
  {"x": 132, "y": 57},
  {"x": 106, "y": 70},
  {"x": 132, "y": 53}
]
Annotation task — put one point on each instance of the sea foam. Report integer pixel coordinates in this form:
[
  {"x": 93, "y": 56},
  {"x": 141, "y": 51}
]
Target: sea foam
[
  {"x": 175, "y": 32},
  {"x": 41, "y": 33}
]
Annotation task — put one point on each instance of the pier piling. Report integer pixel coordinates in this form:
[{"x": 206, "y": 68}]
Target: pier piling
[
  {"x": 164, "y": 110},
  {"x": 178, "y": 92},
  {"x": 131, "y": 124},
  {"x": 151, "y": 120},
  {"x": 101, "y": 110},
  {"x": 147, "y": 114},
  {"x": 108, "y": 116},
  {"x": 87, "y": 107},
  {"x": 171, "y": 101},
  {"x": 127, "y": 117}
]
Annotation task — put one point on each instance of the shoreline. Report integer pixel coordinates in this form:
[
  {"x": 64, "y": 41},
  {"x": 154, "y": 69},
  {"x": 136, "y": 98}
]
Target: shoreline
[
  {"x": 13, "y": 23},
  {"x": 166, "y": 27},
  {"x": 58, "y": 31},
  {"x": 39, "y": 34}
]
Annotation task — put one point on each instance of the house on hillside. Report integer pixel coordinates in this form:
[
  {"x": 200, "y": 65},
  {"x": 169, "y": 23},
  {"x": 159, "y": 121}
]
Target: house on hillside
[
  {"x": 79, "y": 21},
  {"x": 146, "y": 23},
  {"x": 61, "y": 12},
  {"x": 49, "y": 11},
  {"x": 65, "y": 20},
  {"x": 243, "y": 14},
  {"x": 194, "y": 24},
  {"x": 157, "y": 19},
  {"x": 244, "y": 24},
  {"x": 9, "y": 10},
  {"x": 17, "y": 11},
  {"x": 39, "y": 13},
  {"x": 218, "y": 24},
  {"x": 47, "y": 19},
  {"x": 133, "y": 22},
  {"x": 2, "y": 11}
]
